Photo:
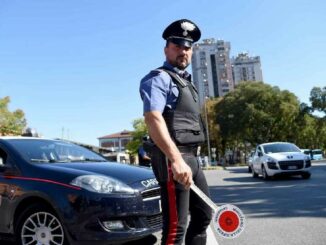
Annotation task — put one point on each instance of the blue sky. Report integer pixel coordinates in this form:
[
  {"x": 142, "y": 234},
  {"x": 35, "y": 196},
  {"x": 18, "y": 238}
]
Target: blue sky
[{"x": 76, "y": 64}]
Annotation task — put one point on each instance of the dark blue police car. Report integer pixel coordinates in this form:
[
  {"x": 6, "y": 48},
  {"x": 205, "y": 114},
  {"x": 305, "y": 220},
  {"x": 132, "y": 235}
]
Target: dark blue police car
[{"x": 54, "y": 192}]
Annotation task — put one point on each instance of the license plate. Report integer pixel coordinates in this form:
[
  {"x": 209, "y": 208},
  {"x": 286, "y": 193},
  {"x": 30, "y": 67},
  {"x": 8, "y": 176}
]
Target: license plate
[{"x": 292, "y": 167}]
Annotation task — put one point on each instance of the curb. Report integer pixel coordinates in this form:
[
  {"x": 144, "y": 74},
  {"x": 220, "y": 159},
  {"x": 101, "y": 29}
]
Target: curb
[{"x": 213, "y": 168}]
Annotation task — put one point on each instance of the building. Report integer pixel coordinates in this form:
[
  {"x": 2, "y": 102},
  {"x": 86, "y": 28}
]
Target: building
[
  {"x": 116, "y": 142},
  {"x": 116, "y": 146},
  {"x": 94, "y": 148},
  {"x": 246, "y": 68},
  {"x": 211, "y": 68}
]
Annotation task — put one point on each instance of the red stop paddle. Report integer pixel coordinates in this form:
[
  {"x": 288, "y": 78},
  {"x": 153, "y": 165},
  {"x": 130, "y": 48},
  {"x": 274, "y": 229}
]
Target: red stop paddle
[{"x": 228, "y": 220}]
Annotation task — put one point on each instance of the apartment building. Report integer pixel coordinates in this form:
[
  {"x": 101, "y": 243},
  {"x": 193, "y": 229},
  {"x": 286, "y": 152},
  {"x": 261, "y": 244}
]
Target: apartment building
[
  {"x": 211, "y": 68},
  {"x": 246, "y": 68}
]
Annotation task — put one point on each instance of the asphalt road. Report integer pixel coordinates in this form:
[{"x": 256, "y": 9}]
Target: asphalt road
[{"x": 283, "y": 211}]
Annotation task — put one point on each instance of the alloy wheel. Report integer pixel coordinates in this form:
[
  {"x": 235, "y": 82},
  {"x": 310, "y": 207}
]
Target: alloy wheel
[
  {"x": 265, "y": 174},
  {"x": 42, "y": 228}
]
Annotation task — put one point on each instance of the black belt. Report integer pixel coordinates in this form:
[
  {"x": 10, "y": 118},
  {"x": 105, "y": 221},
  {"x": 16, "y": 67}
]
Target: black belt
[{"x": 188, "y": 149}]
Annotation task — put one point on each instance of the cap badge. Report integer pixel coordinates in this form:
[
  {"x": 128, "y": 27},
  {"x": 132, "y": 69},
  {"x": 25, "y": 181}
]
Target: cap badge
[{"x": 187, "y": 26}]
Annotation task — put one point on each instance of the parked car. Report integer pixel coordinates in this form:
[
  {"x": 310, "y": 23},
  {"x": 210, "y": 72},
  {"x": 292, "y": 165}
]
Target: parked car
[
  {"x": 56, "y": 192},
  {"x": 306, "y": 151},
  {"x": 316, "y": 154},
  {"x": 280, "y": 158},
  {"x": 250, "y": 159}
]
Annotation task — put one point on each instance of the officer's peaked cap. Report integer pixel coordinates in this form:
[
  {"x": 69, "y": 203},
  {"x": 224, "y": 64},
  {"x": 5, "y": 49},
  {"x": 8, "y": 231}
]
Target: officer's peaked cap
[{"x": 183, "y": 32}]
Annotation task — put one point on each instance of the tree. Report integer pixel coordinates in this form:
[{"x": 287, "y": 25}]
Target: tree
[
  {"x": 140, "y": 131},
  {"x": 306, "y": 137},
  {"x": 11, "y": 123},
  {"x": 213, "y": 127},
  {"x": 256, "y": 112},
  {"x": 318, "y": 99},
  {"x": 318, "y": 102}
]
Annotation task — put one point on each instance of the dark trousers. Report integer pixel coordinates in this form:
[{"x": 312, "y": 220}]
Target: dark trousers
[{"x": 177, "y": 203}]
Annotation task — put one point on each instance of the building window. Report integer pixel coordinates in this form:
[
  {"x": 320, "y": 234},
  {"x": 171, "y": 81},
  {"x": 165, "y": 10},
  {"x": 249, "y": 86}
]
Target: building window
[
  {"x": 214, "y": 75},
  {"x": 108, "y": 143}
]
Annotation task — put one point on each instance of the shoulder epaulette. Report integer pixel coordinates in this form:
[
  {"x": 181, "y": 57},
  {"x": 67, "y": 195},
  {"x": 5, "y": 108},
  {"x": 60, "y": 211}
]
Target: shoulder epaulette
[
  {"x": 155, "y": 72},
  {"x": 175, "y": 77}
]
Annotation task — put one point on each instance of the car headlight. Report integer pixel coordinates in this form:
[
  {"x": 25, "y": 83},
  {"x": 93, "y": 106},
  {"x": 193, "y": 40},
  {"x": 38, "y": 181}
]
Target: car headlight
[
  {"x": 271, "y": 163},
  {"x": 101, "y": 184},
  {"x": 270, "y": 160}
]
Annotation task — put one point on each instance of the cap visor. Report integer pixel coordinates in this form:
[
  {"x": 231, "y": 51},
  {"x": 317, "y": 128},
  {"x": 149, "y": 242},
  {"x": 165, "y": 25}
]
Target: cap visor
[{"x": 181, "y": 42}]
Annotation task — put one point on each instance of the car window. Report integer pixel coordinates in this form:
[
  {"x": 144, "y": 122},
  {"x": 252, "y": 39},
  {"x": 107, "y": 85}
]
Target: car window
[
  {"x": 316, "y": 152},
  {"x": 3, "y": 157},
  {"x": 38, "y": 151},
  {"x": 276, "y": 148}
]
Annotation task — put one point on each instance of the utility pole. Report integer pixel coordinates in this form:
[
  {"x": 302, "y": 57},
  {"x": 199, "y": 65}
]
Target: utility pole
[{"x": 207, "y": 134}]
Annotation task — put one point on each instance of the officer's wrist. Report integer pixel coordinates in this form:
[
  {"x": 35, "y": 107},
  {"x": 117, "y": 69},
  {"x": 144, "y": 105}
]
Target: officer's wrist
[{"x": 175, "y": 160}]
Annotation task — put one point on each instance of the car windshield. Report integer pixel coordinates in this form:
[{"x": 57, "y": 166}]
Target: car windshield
[
  {"x": 40, "y": 151},
  {"x": 317, "y": 152},
  {"x": 275, "y": 148}
]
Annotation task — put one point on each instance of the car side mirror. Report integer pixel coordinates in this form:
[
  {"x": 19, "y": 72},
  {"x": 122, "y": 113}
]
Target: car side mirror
[{"x": 260, "y": 154}]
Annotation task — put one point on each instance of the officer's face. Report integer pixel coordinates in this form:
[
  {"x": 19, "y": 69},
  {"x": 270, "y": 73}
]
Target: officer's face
[{"x": 177, "y": 55}]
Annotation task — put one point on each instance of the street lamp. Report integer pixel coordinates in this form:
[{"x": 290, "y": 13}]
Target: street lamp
[{"x": 207, "y": 133}]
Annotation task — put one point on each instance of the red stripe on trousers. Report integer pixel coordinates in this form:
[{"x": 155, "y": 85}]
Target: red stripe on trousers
[{"x": 173, "y": 214}]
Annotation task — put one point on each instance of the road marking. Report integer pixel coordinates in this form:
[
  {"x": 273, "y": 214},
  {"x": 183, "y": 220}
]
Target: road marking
[{"x": 211, "y": 238}]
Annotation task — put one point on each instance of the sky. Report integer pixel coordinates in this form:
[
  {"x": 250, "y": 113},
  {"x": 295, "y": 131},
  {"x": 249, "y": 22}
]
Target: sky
[{"x": 74, "y": 66}]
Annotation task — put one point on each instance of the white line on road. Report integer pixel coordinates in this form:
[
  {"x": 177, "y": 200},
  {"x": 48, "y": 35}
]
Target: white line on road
[{"x": 211, "y": 238}]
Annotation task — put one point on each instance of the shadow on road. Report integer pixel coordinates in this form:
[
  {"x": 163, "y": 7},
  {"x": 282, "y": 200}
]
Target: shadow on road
[
  {"x": 149, "y": 240},
  {"x": 275, "y": 198}
]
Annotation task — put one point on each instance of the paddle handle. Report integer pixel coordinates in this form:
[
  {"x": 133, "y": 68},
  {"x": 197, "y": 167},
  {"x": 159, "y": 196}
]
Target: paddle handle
[{"x": 204, "y": 197}]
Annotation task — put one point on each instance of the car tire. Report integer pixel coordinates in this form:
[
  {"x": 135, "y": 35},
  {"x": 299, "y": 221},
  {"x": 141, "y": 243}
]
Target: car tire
[
  {"x": 264, "y": 173},
  {"x": 39, "y": 224},
  {"x": 249, "y": 169},
  {"x": 306, "y": 175},
  {"x": 254, "y": 174}
]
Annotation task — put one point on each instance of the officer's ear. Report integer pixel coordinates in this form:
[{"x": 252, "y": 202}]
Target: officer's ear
[
  {"x": 165, "y": 50},
  {"x": 166, "y": 47}
]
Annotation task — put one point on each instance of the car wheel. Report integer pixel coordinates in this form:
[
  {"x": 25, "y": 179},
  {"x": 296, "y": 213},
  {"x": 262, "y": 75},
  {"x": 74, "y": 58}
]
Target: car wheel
[
  {"x": 306, "y": 175},
  {"x": 264, "y": 173},
  {"x": 254, "y": 174},
  {"x": 249, "y": 169},
  {"x": 38, "y": 225}
]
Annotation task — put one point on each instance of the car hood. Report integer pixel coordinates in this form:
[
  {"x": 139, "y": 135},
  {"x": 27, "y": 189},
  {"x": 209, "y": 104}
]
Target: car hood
[
  {"x": 126, "y": 173},
  {"x": 287, "y": 156}
]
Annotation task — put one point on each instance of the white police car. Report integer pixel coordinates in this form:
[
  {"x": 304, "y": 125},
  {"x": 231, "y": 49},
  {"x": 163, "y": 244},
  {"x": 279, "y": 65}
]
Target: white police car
[{"x": 280, "y": 158}]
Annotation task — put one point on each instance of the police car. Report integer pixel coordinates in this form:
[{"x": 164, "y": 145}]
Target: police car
[{"x": 56, "y": 192}]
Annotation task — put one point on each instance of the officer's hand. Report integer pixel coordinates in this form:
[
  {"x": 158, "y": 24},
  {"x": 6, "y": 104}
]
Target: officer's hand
[{"x": 182, "y": 173}]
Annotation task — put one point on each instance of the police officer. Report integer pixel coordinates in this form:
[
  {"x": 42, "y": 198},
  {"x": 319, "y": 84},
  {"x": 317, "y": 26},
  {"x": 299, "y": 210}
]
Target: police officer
[
  {"x": 172, "y": 114},
  {"x": 144, "y": 159}
]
